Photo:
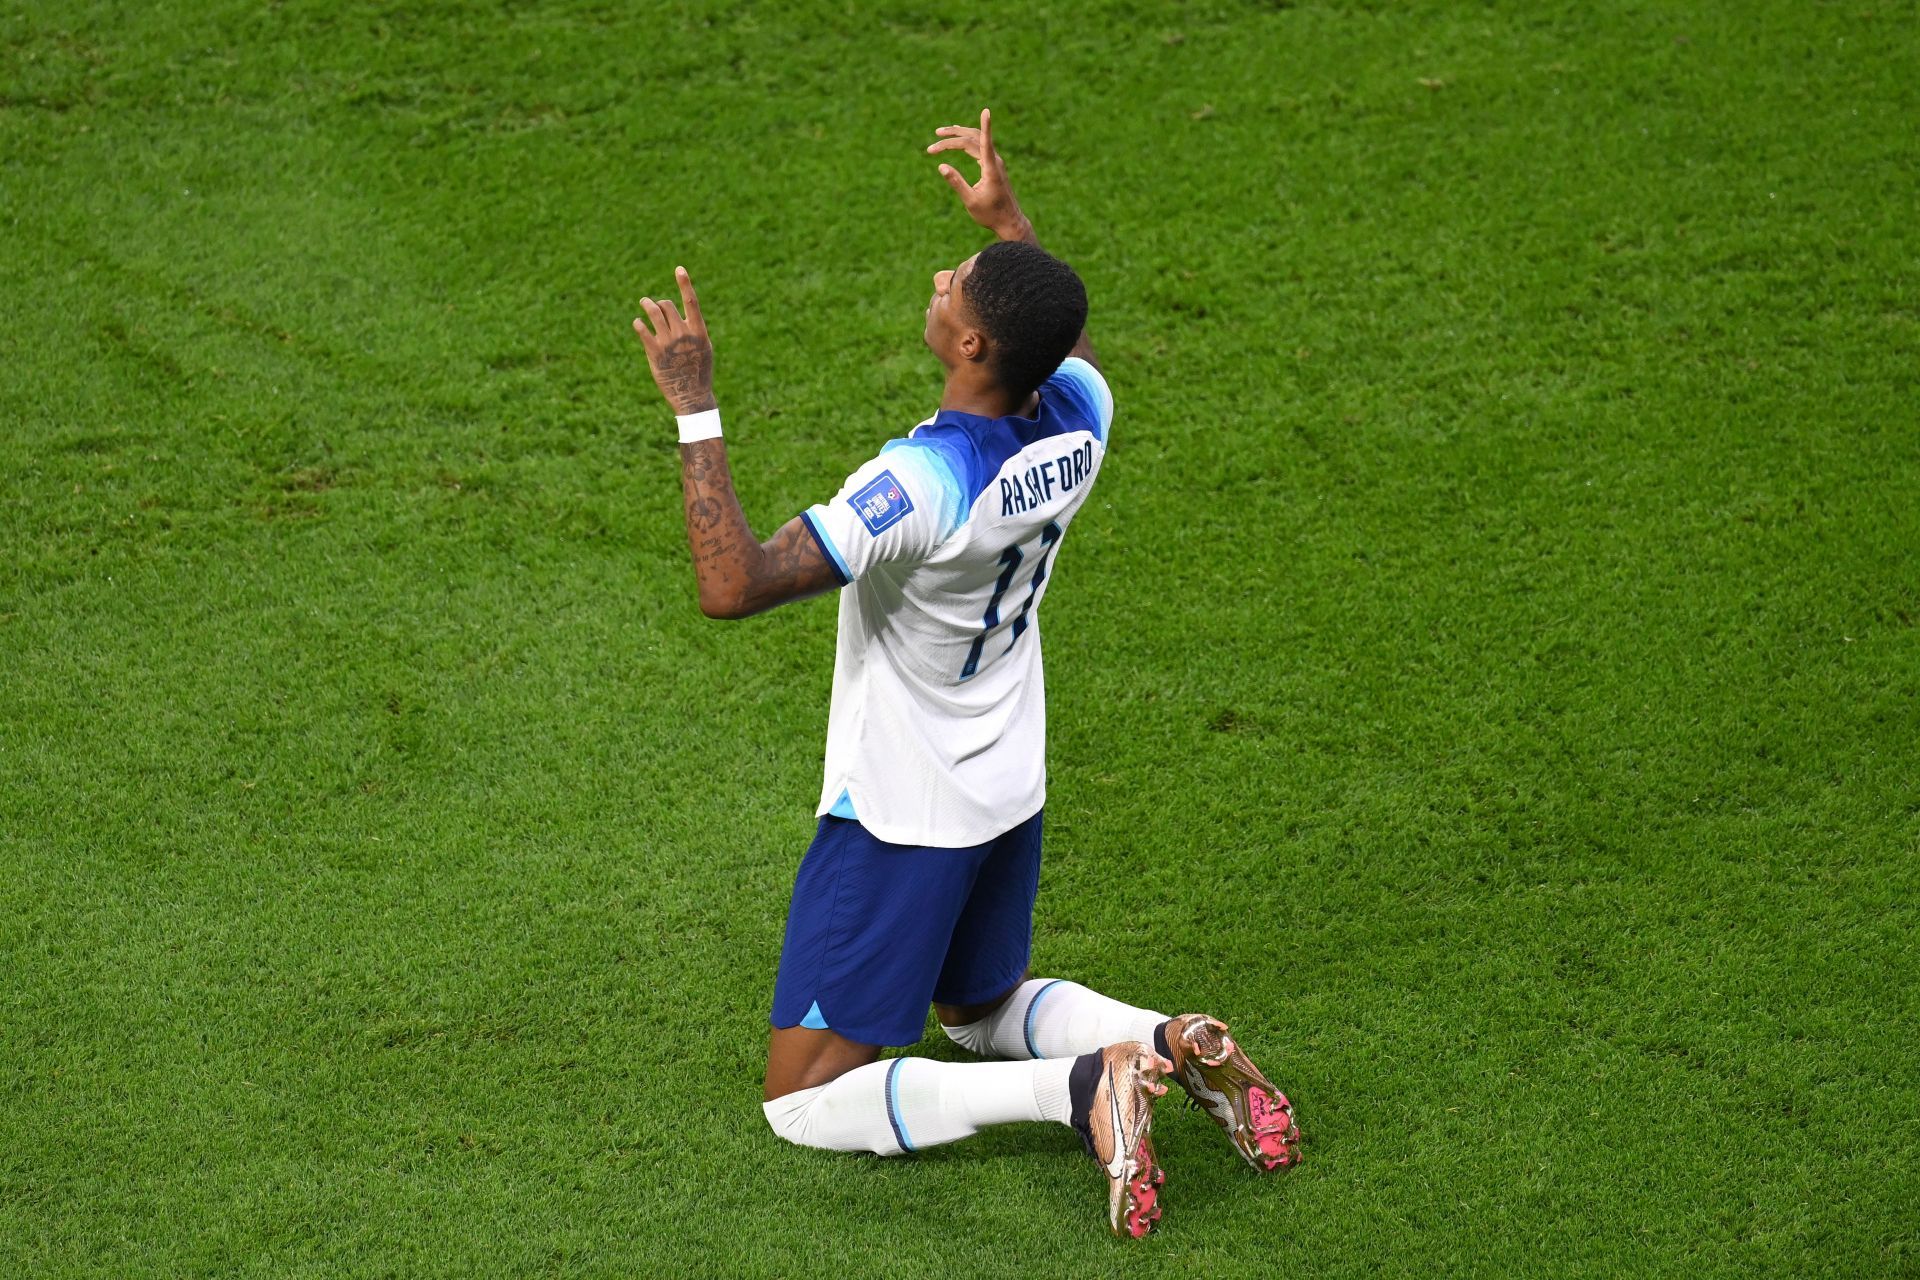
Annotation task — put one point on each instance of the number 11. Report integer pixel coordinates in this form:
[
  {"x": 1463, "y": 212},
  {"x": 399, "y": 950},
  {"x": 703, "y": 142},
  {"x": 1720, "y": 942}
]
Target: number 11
[{"x": 1011, "y": 558}]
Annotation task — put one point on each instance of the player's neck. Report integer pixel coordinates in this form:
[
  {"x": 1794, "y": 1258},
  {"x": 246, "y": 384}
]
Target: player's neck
[{"x": 985, "y": 399}]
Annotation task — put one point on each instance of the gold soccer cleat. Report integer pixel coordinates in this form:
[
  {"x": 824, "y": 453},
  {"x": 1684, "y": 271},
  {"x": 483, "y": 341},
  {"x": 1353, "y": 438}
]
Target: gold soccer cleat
[
  {"x": 1219, "y": 1077},
  {"x": 1117, "y": 1127}
]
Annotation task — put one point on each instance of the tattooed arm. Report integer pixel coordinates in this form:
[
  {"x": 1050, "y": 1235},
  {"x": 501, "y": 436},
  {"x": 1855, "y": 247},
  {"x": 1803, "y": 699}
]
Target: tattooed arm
[{"x": 738, "y": 574}]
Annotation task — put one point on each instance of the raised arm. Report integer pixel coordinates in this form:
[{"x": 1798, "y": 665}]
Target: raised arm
[
  {"x": 738, "y": 574},
  {"x": 990, "y": 201}
]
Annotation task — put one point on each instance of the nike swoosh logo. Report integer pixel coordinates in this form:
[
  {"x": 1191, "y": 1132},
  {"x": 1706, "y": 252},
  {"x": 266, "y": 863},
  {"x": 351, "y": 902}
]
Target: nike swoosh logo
[{"x": 1118, "y": 1161}]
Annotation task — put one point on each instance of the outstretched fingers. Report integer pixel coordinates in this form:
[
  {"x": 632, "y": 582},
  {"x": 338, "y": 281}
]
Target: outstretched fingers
[
  {"x": 660, "y": 315},
  {"x": 954, "y": 180},
  {"x": 967, "y": 140},
  {"x": 975, "y": 141},
  {"x": 649, "y": 324},
  {"x": 690, "y": 300}
]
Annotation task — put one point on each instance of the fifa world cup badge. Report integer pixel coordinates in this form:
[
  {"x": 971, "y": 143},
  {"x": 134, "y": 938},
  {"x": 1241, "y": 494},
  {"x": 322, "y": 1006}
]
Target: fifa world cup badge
[{"x": 881, "y": 504}]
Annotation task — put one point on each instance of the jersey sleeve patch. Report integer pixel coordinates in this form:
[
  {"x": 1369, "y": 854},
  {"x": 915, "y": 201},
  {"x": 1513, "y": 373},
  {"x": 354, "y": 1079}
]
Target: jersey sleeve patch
[
  {"x": 881, "y": 504},
  {"x": 894, "y": 509}
]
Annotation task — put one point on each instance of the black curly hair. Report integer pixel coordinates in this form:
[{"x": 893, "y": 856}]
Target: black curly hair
[{"x": 1032, "y": 307}]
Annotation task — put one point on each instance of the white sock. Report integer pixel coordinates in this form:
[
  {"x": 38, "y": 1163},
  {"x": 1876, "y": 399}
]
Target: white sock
[
  {"x": 1054, "y": 1018},
  {"x": 903, "y": 1104}
]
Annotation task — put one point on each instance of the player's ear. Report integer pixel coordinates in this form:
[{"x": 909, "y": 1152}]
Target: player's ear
[{"x": 973, "y": 346}]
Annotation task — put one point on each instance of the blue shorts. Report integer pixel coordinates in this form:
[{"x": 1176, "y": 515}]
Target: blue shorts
[{"x": 879, "y": 931}]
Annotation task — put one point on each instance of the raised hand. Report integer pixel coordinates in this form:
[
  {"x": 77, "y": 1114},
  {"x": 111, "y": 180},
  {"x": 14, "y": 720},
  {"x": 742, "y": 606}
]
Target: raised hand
[
  {"x": 990, "y": 201},
  {"x": 678, "y": 350}
]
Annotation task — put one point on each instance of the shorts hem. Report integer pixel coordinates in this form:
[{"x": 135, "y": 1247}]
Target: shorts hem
[
  {"x": 1002, "y": 988},
  {"x": 865, "y": 1035}
]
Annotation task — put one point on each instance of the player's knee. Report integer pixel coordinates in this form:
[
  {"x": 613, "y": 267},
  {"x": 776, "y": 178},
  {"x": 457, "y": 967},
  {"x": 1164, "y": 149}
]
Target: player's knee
[
  {"x": 974, "y": 1037},
  {"x": 827, "y": 1119},
  {"x": 787, "y": 1114}
]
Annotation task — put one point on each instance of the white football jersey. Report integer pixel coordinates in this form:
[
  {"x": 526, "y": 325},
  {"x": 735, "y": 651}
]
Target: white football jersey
[{"x": 946, "y": 542}]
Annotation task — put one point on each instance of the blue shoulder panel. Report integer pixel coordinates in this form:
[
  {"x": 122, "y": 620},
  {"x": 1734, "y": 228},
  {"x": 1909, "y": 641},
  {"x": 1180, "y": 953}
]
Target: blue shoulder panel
[
  {"x": 1080, "y": 385},
  {"x": 973, "y": 448}
]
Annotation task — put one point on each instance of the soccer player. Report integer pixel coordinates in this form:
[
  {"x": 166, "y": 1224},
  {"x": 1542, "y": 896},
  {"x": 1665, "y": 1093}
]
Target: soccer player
[{"x": 919, "y": 885}]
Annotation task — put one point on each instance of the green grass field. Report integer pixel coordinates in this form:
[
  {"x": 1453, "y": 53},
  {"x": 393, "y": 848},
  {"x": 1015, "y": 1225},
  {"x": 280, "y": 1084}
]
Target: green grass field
[{"x": 1488, "y": 674}]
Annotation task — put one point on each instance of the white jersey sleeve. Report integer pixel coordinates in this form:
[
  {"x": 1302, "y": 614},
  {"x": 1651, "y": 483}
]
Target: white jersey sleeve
[
  {"x": 1081, "y": 385},
  {"x": 895, "y": 509}
]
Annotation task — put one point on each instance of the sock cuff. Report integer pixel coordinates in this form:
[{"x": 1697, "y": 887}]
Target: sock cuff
[
  {"x": 1024, "y": 1008},
  {"x": 1053, "y": 1090},
  {"x": 1059, "y": 1018}
]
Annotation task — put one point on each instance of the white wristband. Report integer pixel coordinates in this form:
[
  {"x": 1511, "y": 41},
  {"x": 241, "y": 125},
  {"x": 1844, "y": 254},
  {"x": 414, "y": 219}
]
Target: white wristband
[{"x": 695, "y": 427}]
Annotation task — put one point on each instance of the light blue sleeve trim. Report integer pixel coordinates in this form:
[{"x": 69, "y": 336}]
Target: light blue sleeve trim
[
  {"x": 933, "y": 466},
  {"x": 819, "y": 530}
]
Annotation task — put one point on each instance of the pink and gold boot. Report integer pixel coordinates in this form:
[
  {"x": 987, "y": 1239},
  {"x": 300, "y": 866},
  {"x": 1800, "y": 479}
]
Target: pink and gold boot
[
  {"x": 1113, "y": 1091},
  {"x": 1221, "y": 1079}
]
